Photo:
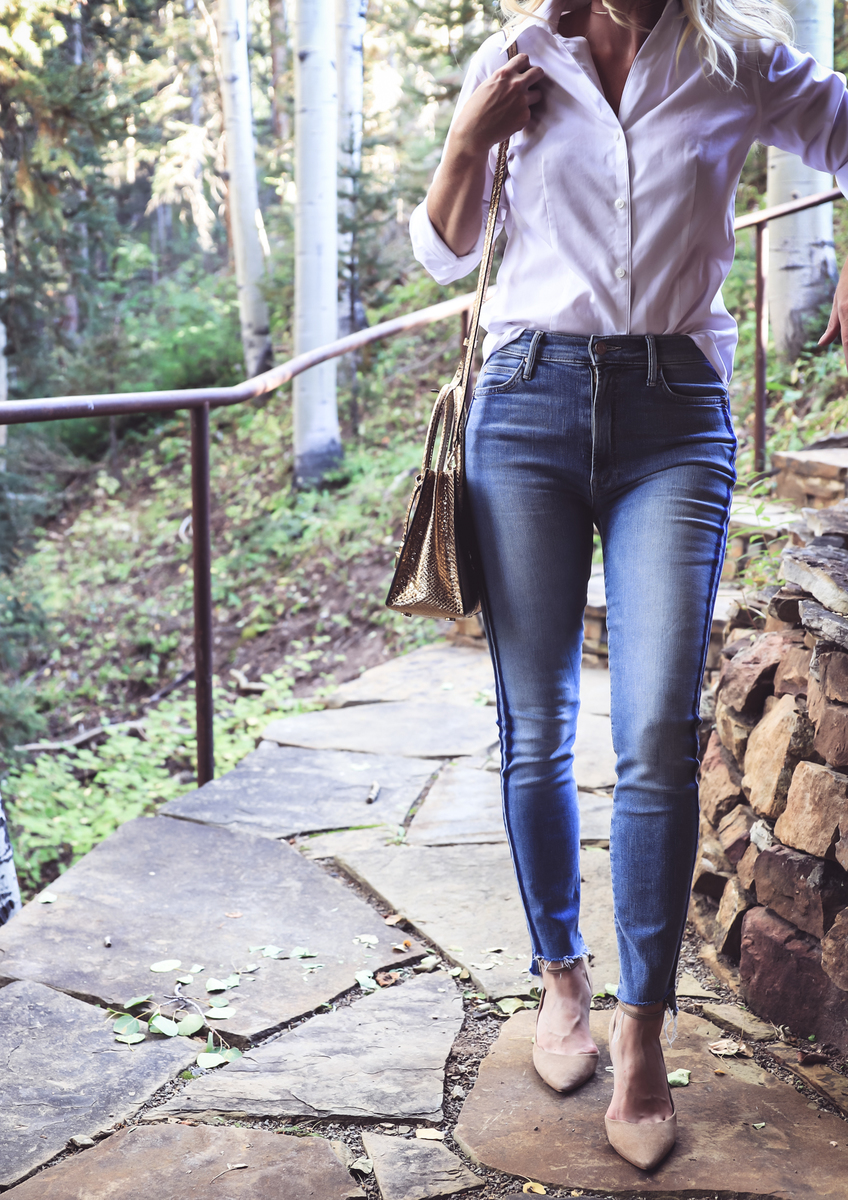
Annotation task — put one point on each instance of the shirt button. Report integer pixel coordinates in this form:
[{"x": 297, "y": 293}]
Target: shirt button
[
  {"x": 620, "y": 272},
  {"x": 617, "y": 134},
  {"x": 619, "y": 203}
]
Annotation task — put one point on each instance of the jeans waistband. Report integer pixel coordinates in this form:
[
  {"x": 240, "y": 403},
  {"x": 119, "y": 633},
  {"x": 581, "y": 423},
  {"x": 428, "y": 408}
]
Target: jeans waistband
[{"x": 632, "y": 350}]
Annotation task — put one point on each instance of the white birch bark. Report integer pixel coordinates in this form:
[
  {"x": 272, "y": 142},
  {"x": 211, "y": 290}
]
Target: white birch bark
[
  {"x": 243, "y": 194},
  {"x": 350, "y": 31},
  {"x": 802, "y": 262},
  {"x": 317, "y": 439}
]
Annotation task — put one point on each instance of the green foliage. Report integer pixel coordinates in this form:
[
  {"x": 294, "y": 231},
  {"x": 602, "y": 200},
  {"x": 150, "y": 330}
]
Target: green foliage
[{"x": 61, "y": 804}]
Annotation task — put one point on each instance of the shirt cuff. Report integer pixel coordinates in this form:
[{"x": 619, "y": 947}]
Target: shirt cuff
[{"x": 437, "y": 258}]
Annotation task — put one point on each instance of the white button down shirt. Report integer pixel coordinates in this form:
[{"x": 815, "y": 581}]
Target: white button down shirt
[{"x": 624, "y": 224}]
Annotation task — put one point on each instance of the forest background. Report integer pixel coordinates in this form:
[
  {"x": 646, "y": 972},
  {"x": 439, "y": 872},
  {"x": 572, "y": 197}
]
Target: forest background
[{"x": 116, "y": 274}]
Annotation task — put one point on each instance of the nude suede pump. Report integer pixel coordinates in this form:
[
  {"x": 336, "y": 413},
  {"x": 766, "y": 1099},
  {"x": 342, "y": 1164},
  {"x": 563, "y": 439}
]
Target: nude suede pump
[
  {"x": 564, "y": 1072},
  {"x": 643, "y": 1143}
]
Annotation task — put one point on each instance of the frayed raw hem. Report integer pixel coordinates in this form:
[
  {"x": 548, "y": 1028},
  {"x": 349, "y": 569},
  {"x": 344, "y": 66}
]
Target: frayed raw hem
[{"x": 540, "y": 964}]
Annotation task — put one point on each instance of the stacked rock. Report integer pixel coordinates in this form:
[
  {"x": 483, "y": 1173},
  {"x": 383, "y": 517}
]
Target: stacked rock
[{"x": 771, "y": 879}]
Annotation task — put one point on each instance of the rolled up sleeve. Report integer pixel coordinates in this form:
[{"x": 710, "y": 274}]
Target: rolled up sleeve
[
  {"x": 804, "y": 110},
  {"x": 429, "y": 249}
]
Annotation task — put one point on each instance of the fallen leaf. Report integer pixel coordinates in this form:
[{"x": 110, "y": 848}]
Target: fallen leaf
[
  {"x": 402, "y": 946},
  {"x": 428, "y": 1134},
  {"x": 426, "y": 965},
  {"x": 301, "y": 952},
  {"x": 231, "y": 1054},
  {"x": 130, "y": 1039},
  {"x": 758, "y": 1125},
  {"x": 366, "y": 981},
  {"x": 167, "y": 964},
  {"x": 729, "y": 1047},
  {"x": 186, "y": 979},
  {"x": 126, "y": 1024},
  {"x": 234, "y": 915},
  {"x": 47, "y": 898},
  {"x": 196, "y": 969},
  {"x": 366, "y": 939},
  {"x": 808, "y": 1058},
  {"x": 209, "y": 1059},
  {"x": 136, "y": 1000},
  {"x": 269, "y": 951},
  {"x": 483, "y": 966},
  {"x": 679, "y": 1078},
  {"x": 218, "y": 1001},
  {"x": 190, "y": 1024},
  {"x": 611, "y": 989},
  {"x": 510, "y": 1005},
  {"x": 165, "y": 1025},
  {"x": 717, "y": 1072},
  {"x": 535, "y": 1188},
  {"x": 393, "y": 919},
  {"x": 219, "y": 1014},
  {"x": 363, "y": 1165},
  {"x": 387, "y": 978}
]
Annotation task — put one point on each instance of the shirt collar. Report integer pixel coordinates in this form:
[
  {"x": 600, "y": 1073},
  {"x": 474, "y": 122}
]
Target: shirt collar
[{"x": 547, "y": 14}]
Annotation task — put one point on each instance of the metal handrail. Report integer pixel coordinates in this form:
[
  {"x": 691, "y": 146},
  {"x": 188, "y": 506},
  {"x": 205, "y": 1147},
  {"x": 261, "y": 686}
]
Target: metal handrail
[{"x": 201, "y": 400}]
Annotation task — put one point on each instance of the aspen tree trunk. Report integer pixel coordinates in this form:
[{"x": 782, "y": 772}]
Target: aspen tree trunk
[
  {"x": 242, "y": 192},
  {"x": 279, "y": 70},
  {"x": 350, "y": 29},
  {"x": 4, "y": 393},
  {"x": 802, "y": 262},
  {"x": 317, "y": 441},
  {"x": 10, "y": 894}
]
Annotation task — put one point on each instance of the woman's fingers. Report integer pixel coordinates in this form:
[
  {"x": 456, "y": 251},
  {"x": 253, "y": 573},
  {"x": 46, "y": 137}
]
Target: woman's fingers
[{"x": 830, "y": 333}]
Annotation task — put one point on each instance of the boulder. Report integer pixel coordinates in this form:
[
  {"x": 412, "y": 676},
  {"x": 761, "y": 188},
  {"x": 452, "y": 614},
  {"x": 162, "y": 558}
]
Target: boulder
[
  {"x": 733, "y": 730},
  {"x": 721, "y": 781},
  {"x": 831, "y": 737},
  {"x": 780, "y": 740},
  {"x": 821, "y": 570},
  {"x": 816, "y": 811},
  {"x": 824, "y": 624},
  {"x": 793, "y": 672},
  {"x": 735, "y": 902},
  {"x": 783, "y": 605},
  {"x": 783, "y": 980},
  {"x": 832, "y": 669},
  {"x": 712, "y": 868},
  {"x": 807, "y": 891},
  {"x": 745, "y": 868},
  {"x": 828, "y": 522},
  {"x": 747, "y": 677},
  {"x": 835, "y": 951},
  {"x": 734, "y": 832}
]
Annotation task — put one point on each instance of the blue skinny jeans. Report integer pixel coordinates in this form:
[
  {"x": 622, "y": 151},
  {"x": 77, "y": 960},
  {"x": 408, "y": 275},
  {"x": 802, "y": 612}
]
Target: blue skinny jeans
[{"x": 632, "y": 435}]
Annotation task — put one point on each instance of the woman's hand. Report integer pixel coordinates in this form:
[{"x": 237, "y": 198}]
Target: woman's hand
[
  {"x": 497, "y": 109},
  {"x": 837, "y": 326}
]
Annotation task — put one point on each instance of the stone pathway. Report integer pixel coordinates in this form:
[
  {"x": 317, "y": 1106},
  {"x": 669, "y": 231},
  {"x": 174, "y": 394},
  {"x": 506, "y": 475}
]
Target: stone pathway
[{"x": 342, "y": 907}]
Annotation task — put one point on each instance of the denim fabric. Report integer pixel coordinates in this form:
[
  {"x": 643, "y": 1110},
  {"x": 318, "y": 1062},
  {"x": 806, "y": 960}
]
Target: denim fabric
[{"x": 633, "y": 435}]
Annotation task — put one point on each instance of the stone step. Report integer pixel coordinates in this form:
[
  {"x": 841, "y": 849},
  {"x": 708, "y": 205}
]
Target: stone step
[{"x": 814, "y": 478}]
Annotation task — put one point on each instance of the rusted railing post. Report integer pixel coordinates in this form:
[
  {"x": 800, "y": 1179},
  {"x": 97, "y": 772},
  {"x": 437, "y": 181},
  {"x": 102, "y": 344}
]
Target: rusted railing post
[
  {"x": 202, "y": 556},
  {"x": 761, "y": 341}
]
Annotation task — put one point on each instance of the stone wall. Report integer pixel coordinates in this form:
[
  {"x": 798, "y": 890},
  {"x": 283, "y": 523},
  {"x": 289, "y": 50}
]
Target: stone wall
[{"x": 771, "y": 880}]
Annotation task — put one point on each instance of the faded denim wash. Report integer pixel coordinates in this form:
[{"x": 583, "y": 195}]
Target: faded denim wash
[{"x": 632, "y": 435}]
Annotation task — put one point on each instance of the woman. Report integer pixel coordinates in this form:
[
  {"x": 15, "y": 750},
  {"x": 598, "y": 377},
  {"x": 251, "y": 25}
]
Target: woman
[{"x": 603, "y": 401}]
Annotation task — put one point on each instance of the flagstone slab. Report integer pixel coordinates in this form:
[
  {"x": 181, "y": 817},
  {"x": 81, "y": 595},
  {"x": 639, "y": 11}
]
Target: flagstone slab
[
  {"x": 413, "y": 730},
  {"x": 513, "y": 1122},
  {"x": 180, "y": 1162},
  {"x": 447, "y": 674},
  {"x": 65, "y": 1076},
  {"x": 464, "y": 805},
  {"x": 279, "y": 791},
  {"x": 465, "y": 899},
  {"x": 159, "y": 889},
  {"x": 409, "y": 1169},
  {"x": 381, "y": 1057}
]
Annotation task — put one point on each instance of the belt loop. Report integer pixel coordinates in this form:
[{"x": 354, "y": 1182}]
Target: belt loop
[
  {"x": 652, "y": 360},
  {"x": 530, "y": 361}
]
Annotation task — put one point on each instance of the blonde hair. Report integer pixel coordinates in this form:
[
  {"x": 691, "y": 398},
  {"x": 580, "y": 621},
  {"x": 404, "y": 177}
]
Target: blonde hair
[{"x": 719, "y": 27}]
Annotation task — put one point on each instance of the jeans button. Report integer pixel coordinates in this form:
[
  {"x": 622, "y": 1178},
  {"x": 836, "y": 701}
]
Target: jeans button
[{"x": 600, "y": 347}]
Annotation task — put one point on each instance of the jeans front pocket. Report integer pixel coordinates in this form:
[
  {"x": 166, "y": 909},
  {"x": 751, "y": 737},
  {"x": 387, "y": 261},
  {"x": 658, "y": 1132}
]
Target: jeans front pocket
[
  {"x": 499, "y": 374},
  {"x": 693, "y": 383}
]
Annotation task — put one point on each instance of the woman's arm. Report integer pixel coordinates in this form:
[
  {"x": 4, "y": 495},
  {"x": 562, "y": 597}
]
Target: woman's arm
[{"x": 497, "y": 109}]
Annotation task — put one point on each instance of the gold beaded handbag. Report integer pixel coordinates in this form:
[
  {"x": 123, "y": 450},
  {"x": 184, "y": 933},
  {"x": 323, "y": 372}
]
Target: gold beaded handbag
[{"x": 436, "y": 575}]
